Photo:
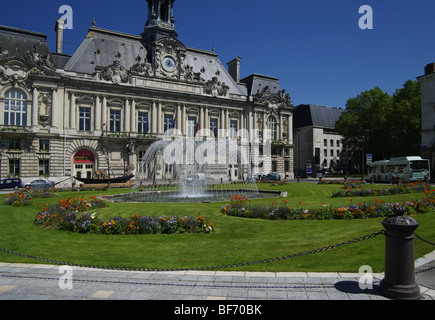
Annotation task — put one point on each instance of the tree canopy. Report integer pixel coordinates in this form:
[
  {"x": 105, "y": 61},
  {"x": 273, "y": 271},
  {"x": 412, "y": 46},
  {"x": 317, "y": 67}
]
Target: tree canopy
[{"x": 386, "y": 126}]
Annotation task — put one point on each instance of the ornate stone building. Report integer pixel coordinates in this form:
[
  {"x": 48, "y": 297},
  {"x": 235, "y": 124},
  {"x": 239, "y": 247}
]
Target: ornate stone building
[
  {"x": 428, "y": 114},
  {"x": 98, "y": 110}
]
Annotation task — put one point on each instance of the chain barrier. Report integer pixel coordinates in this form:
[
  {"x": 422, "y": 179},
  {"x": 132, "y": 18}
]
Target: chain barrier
[
  {"x": 429, "y": 242},
  {"x": 226, "y": 266},
  {"x": 424, "y": 240}
]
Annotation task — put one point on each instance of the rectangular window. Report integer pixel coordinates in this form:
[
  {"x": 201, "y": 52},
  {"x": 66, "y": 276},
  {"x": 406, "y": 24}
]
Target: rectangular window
[
  {"x": 286, "y": 165},
  {"x": 14, "y": 167},
  {"x": 233, "y": 129},
  {"x": 44, "y": 167},
  {"x": 44, "y": 145},
  {"x": 274, "y": 166},
  {"x": 191, "y": 126},
  {"x": 14, "y": 144},
  {"x": 168, "y": 122},
  {"x": 214, "y": 127},
  {"x": 115, "y": 121},
  {"x": 84, "y": 119},
  {"x": 15, "y": 108},
  {"x": 143, "y": 124}
]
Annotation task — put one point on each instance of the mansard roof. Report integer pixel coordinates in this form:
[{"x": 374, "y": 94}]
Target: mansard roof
[
  {"x": 101, "y": 47},
  {"x": 19, "y": 43},
  {"x": 317, "y": 116},
  {"x": 257, "y": 82}
]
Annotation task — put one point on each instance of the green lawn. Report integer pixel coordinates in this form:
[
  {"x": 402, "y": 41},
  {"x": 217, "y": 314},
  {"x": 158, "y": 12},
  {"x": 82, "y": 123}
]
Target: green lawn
[{"x": 234, "y": 240}]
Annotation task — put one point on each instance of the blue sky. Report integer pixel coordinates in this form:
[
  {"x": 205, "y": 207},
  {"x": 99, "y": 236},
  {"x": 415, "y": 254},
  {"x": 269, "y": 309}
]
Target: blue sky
[{"x": 315, "y": 47}]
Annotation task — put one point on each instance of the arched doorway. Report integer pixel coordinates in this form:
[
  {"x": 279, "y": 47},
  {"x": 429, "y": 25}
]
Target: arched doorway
[{"x": 84, "y": 164}]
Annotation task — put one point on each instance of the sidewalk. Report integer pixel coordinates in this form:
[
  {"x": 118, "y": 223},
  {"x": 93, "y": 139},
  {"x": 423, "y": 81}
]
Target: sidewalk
[{"x": 41, "y": 282}]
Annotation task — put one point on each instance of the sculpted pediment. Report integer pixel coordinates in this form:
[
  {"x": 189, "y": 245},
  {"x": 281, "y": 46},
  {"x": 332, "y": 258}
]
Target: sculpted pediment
[
  {"x": 274, "y": 101},
  {"x": 17, "y": 70}
]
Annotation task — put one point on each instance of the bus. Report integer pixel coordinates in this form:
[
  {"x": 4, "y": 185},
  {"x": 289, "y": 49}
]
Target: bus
[{"x": 411, "y": 168}]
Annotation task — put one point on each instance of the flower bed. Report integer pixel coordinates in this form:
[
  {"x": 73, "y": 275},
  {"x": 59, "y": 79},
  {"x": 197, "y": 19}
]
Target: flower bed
[
  {"x": 241, "y": 207},
  {"x": 415, "y": 187},
  {"x": 23, "y": 198},
  {"x": 79, "y": 215}
]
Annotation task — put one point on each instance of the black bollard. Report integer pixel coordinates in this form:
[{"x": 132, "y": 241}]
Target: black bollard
[{"x": 399, "y": 280}]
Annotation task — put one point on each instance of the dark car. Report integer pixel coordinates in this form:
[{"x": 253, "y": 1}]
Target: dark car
[
  {"x": 39, "y": 184},
  {"x": 272, "y": 177},
  {"x": 12, "y": 183}
]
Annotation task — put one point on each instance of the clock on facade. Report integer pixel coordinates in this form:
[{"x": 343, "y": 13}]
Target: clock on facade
[{"x": 169, "y": 63}]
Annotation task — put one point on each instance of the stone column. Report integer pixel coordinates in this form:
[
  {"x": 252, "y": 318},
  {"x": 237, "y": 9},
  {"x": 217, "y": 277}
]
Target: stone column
[
  {"x": 201, "y": 118},
  {"x": 154, "y": 118},
  {"x": 104, "y": 112},
  {"x": 399, "y": 281},
  {"x": 184, "y": 121},
  {"x": 127, "y": 115},
  {"x": 72, "y": 111},
  {"x": 222, "y": 123},
  {"x": 290, "y": 130},
  {"x": 179, "y": 117},
  {"x": 97, "y": 114},
  {"x": 35, "y": 107},
  {"x": 133, "y": 116},
  {"x": 54, "y": 108},
  {"x": 159, "y": 118}
]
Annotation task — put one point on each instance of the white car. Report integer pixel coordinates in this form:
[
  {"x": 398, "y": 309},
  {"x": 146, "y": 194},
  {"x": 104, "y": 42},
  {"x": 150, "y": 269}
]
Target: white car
[{"x": 39, "y": 184}]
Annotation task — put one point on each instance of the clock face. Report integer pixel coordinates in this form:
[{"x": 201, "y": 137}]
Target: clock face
[{"x": 169, "y": 63}]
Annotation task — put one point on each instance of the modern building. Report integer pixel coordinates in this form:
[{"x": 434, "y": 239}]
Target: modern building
[
  {"x": 428, "y": 114},
  {"x": 317, "y": 146},
  {"x": 96, "y": 112}
]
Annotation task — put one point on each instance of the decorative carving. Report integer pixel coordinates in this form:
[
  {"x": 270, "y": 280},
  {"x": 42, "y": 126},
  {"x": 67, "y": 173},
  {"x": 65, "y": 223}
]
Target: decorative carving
[
  {"x": 39, "y": 60},
  {"x": 115, "y": 73},
  {"x": 169, "y": 48},
  {"x": 275, "y": 101},
  {"x": 3, "y": 52},
  {"x": 191, "y": 76},
  {"x": 216, "y": 88},
  {"x": 44, "y": 105},
  {"x": 142, "y": 68}
]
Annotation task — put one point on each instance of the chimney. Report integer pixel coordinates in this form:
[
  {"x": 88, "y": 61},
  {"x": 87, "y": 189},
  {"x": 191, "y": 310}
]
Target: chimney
[
  {"x": 59, "y": 27},
  {"x": 234, "y": 68},
  {"x": 429, "y": 69}
]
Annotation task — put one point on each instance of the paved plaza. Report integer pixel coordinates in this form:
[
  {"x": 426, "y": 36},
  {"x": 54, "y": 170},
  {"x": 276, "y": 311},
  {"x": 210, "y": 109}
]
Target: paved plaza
[{"x": 50, "y": 282}]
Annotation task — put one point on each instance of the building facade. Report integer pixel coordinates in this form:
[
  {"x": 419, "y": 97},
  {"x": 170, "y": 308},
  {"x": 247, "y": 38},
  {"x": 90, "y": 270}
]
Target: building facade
[
  {"x": 318, "y": 148},
  {"x": 96, "y": 112},
  {"x": 428, "y": 114}
]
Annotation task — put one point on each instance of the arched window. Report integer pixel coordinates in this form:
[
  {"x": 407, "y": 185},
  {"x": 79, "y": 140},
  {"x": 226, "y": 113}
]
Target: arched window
[
  {"x": 15, "y": 108},
  {"x": 271, "y": 125}
]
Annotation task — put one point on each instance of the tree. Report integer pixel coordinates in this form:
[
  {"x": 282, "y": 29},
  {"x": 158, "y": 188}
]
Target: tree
[
  {"x": 406, "y": 117},
  {"x": 386, "y": 126},
  {"x": 364, "y": 123}
]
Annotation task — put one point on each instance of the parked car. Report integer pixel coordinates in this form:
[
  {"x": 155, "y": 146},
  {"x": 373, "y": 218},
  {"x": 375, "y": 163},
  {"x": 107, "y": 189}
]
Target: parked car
[
  {"x": 257, "y": 176},
  {"x": 272, "y": 177},
  {"x": 40, "y": 184},
  {"x": 12, "y": 183}
]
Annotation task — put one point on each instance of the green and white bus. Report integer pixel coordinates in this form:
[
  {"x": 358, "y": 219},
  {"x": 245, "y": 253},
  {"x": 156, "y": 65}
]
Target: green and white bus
[{"x": 400, "y": 169}]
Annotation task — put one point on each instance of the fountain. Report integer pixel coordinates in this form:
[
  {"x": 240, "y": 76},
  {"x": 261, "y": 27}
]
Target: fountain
[{"x": 189, "y": 170}]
